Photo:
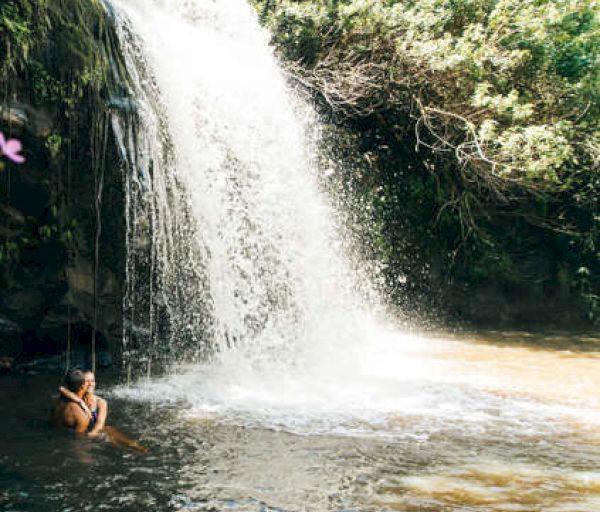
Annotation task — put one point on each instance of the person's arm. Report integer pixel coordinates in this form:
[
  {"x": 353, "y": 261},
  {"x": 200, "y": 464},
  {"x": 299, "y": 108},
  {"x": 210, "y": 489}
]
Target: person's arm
[
  {"x": 74, "y": 398},
  {"x": 101, "y": 420}
]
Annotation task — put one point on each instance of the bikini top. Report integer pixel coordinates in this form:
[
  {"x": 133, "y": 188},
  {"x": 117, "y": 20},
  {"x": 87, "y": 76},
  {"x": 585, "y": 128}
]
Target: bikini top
[{"x": 93, "y": 419}]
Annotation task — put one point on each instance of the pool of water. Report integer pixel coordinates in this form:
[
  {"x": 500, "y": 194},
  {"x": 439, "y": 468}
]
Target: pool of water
[{"x": 473, "y": 426}]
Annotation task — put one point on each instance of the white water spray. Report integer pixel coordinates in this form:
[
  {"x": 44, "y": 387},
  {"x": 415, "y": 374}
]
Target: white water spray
[
  {"x": 243, "y": 256},
  {"x": 230, "y": 159}
]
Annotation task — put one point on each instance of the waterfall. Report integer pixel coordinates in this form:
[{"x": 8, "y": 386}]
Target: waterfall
[
  {"x": 235, "y": 262},
  {"x": 231, "y": 245}
]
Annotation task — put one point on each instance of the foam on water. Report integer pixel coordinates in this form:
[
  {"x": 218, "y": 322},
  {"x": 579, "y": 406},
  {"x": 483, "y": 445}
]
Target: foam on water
[{"x": 404, "y": 386}]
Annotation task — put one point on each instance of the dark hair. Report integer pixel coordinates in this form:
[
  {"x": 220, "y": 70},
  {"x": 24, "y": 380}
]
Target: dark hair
[{"x": 74, "y": 380}]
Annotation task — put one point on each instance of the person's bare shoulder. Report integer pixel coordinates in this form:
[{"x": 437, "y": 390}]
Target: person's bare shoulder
[{"x": 73, "y": 417}]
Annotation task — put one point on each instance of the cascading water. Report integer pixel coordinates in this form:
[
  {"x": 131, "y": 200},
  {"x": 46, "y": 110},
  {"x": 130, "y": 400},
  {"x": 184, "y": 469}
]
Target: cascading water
[
  {"x": 225, "y": 186},
  {"x": 232, "y": 251}
]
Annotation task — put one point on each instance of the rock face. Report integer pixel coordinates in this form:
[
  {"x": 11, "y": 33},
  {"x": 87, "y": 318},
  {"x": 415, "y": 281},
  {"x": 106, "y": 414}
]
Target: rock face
[
  {"x": 62, "y": 212},
  {"x": 49, "y": 296}
]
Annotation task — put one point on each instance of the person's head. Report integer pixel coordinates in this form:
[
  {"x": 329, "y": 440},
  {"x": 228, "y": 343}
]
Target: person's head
[
  {"x": 75, "y": 380},
  {"x": 90, "y": 380}
]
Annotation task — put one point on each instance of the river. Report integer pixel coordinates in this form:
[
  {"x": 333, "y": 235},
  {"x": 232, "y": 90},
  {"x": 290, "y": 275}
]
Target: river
[{"x": 497, "y": 423}]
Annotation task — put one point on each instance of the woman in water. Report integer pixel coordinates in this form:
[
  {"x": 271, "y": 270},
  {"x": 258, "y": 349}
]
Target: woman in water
[{"x": 95, "y": 407}]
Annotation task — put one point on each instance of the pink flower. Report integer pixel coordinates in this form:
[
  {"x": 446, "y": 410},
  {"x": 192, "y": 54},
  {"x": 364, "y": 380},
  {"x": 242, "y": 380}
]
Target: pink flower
[{"x": 11, "y": 148}]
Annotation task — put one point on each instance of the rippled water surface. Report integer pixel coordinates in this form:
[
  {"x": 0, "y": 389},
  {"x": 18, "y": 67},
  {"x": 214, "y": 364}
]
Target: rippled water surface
[{"x": 487, "y": 427}]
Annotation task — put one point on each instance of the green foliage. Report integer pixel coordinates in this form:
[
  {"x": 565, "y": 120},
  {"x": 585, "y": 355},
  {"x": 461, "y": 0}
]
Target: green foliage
[
  {"x": 300, "y": 31},
  {"x": 517, "y": 81},
  {"x": 54, "y": 46},
  {"x": 54, "y": 145},
  {"x": 9, "y": 252},
  {"x": 59, "y": 61},
  {"x": 16, "y": 34},
  {"x": 502, "y": 99}
]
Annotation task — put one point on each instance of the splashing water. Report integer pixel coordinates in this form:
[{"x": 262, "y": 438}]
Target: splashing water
[
  {"x": 222, "y": 151},
  {"x": 232, "y": 247}
]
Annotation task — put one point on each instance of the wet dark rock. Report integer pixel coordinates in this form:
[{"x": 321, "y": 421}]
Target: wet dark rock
[
  {"x": 14, "y": 116},
  {"x": 122, "y": 103},
  {"x": 37, "y": 121},
  {"x": 8, "y": 327},
  {"x": 6, "y": 364},
  {"x": 108, "y": 300},
  {"x": 104, "y": 359},
  {"x": 41, "y": 364},
  {"x": 49, "y": 213},
  {"x": 10, "y": 338},
  {"x": 12, "y": 214},
  {"x": 47, "y": 282},
  {"x": 25, "y": 306},
  {"x": 55, "y": 363}
]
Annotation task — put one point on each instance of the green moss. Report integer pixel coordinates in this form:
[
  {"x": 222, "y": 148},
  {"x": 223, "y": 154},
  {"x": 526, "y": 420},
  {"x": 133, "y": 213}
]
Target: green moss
[{"x": 55, "y": 49}]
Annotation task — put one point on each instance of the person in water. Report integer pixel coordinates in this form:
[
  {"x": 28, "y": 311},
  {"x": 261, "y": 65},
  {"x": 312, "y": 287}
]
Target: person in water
[
  {"x": 94, "y": 407},
  {"x": 79, "y": 409},
  {"x": 67, "y": 411}
]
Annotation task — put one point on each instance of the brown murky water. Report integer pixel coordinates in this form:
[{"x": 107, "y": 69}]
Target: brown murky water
[{"x": 507, "y": 428}]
